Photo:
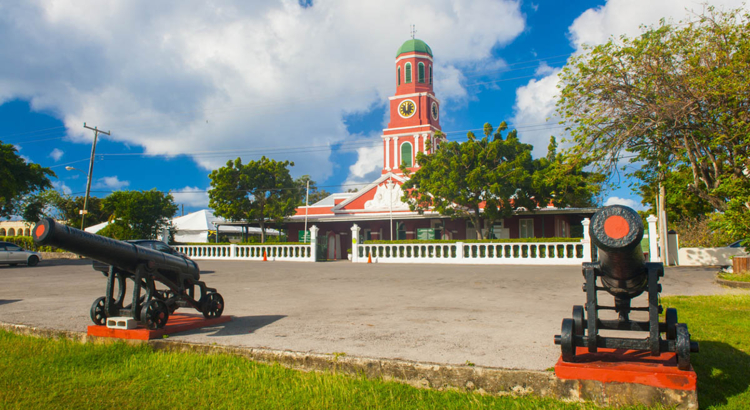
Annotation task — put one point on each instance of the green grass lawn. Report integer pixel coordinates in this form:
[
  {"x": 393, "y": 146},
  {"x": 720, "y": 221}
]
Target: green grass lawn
[
  {"x": 745, "y": 277},
  {"x": 42, "y": 373}
]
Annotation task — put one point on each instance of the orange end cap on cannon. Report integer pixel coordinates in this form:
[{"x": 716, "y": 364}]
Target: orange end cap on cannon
[{"x": 616, "y": 227}]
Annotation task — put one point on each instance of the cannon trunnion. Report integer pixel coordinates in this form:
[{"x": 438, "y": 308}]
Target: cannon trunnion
[
  {"x": 623, "y": 272},
  {"x": 177, "y": 278}
]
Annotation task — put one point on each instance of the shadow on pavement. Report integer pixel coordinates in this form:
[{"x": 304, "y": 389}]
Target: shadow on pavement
[
  {"x": 239, "y": 325},
  {"x": 7, "y": 301}
]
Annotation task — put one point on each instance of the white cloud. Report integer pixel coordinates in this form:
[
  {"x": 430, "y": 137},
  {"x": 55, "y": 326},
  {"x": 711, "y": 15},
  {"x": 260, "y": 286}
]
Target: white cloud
[
  {"x": 535, "y": 102},
  {"x": 56, "y": 154},
  {"x": 182, "y": 77},
  {"x": 112, "y": 182},
  {"x": 191, "y": 196},
  {"x": 60, "y": 186},
  {"x": 368, "y": 167},
  {"x": 614, "y": 200}
]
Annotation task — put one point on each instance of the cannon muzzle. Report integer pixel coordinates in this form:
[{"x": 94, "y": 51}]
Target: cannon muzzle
[
  {"x": 617, "y": 231},
  {"x": 123, "y": 255}
]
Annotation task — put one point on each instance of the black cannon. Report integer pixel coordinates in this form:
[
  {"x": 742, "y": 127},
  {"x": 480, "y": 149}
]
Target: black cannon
[
  {"x": 144, "y": 267},
  {"x": 617, "y": 232}
]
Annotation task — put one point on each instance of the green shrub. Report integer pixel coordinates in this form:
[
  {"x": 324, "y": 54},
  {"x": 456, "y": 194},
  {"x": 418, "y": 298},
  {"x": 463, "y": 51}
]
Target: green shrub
[{"x": 27, "y": 243}]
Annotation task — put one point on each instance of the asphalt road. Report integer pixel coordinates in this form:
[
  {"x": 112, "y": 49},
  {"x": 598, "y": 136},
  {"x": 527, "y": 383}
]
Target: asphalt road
[{"x": 498, "y": 316}]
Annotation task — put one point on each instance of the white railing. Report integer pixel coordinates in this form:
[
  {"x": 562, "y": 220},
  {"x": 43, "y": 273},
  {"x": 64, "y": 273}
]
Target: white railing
[
  {"x": 304, "y": 252},
  {"x": 504, "y": 253}
]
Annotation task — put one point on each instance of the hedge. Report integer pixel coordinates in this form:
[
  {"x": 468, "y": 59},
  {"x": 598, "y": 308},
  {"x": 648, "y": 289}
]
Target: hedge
[
  {"x": 27, "y": 243},
  {"x": 517, "y": 240}
]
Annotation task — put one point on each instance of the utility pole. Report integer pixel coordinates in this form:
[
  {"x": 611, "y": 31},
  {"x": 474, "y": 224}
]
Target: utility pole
[
  {"x": 84, "y": 211},
  {"x": 307, "y": 205}
]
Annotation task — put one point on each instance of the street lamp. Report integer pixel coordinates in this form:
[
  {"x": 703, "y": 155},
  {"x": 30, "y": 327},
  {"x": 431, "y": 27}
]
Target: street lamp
[{"x": 83, "y": 212}]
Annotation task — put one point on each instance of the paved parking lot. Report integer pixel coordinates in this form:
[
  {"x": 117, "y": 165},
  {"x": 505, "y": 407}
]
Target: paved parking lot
[{"x": 498, "y": 316}]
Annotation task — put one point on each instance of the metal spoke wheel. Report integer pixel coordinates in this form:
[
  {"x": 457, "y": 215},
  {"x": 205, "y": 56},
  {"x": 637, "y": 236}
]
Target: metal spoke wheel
[
  {"x": 579, "y": 319},
  {"x": 154, "y": 314},
  {"x": 165, "y": 295},
  {"x": 99, "y": 312},
  {"x": 567, "y": 340},
  {"x": 670, "y": 317},
  {"x": 683, "y": 346},
  {"x": 212, "y": 305}
]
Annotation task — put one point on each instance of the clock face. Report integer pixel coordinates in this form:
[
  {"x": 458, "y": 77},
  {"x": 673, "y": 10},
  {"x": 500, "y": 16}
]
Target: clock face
[
  {"x": 407, "y": 108},
  {"x": 434, "y": 111}
]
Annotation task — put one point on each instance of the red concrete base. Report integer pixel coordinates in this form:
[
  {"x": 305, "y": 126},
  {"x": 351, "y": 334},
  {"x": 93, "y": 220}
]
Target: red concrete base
[
  {"x": 627, "y": 366},
  {"x": 176, "y": 323}
]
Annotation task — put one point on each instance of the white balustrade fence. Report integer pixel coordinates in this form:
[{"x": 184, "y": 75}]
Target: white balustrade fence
[
  {"x": 505, "y": 253},
  {"x": 304, "y": 252},
  {"x": 479, "y": 253},
  {"x": 296, "y": 253}
]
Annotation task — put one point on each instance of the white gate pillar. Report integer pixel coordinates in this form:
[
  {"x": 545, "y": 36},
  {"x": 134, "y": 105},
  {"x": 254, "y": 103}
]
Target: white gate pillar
[
  {"x": 653, "y": 244},
  {"x": 586, "y": 241},
  {"x": 314, "y": 243},
  {"x": 355, "y": 242}
]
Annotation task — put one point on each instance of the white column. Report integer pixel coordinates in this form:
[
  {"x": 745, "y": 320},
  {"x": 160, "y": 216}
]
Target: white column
[
  {"x": 653, "y": 244},
  {"x": 424, "y": 143},
  {"x": 586, "y": 241},
  {"x": 313, "y": 243},
  {"x": 416, "y": 149},
  {"x": 387, "y": 154},
  {"x": 355, "y": 242},
  {"x": 396, "y": 162}
]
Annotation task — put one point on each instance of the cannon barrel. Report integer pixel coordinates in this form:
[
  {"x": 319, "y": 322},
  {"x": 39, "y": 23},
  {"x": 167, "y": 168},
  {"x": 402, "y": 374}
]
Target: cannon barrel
[
  {"x": 617, "y": 231},
  {"x": 123, "y": 255}
]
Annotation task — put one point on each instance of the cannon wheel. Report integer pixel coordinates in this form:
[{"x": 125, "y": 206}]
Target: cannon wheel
[
  {"x": 165, "y": 295},
  {"x": 212, "y": 305},
  {"x": 671, "y": 318},
  {"x": 567, "y": 341},
  {"x": 98, "y": 311},
  {"x": 155, "y": 314},
  {"x": 683, "y": 346},
  {"x": 579, "y": 319}
]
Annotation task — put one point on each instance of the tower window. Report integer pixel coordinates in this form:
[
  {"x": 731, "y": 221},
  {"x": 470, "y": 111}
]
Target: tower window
[
  {"x": 406, "y": 154},
  {"x": 407, "y": 73},
  {"x": 398, "y": 76},
  {"x": 430, "y": 75},
  {"x": 420, "y": 73}
]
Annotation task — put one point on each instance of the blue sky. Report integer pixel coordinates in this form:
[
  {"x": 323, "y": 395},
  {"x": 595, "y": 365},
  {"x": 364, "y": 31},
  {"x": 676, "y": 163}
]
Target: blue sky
[{"x": 185, "y": 86}]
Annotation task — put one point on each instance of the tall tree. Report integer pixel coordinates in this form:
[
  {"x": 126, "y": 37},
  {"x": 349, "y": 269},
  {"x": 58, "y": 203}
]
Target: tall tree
[
  {"x": 481, "y": 179},
  {"x": 50, "y": 202},
  {"x": 316, "y": 194},
  {"x": 18, "y": 178},
  {"x": 138, "y": 214},
  {"x": 261, "y": 191},
  {"x": 675, "y": 99}
]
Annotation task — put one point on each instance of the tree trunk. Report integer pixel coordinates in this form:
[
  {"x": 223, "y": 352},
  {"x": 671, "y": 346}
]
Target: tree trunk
[{"x": 262, "y": 231}]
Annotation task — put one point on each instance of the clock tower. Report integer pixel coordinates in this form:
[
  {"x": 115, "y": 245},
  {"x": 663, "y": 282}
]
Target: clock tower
[{"x": 415, "y": 112}]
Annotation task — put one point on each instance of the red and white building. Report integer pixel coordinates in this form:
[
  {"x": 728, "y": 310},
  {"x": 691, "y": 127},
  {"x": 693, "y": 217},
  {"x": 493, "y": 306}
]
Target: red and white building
[{"x": 378, "y": 210}]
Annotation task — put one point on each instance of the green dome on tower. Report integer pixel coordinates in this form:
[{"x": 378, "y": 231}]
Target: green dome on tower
[{"x": 414, "y": 45}]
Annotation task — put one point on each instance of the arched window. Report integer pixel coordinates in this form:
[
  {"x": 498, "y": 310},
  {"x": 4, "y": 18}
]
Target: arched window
[
  {"x": 19, "y": 232},
  {"x": 27, "y": 232},
  {"x": 420, "y": 73},
  {"x": 407, "y": 73},
  {"x": 2, "y": 231},
  {"x": 11, "y": 232},
  {"x": 430, "y": 75},
  {"x": 398, "y": 76},
  {"x": 406, "y": 154}
]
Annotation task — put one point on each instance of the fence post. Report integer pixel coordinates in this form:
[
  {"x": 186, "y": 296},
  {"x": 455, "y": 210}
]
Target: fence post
[
  {"x": 232, "y": 251},
  {"x": 313, "y": 243},
  {"x": 355, "y": 242},
  {"x": 586, "y": 241},
  {"x": 653, "y": 247},
  {"x": 459, "y": 250}
]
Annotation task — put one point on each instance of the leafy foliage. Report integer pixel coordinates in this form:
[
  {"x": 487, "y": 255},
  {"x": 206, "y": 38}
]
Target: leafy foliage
[
  {"x": 17, "y": 179},
  {"x": 137, "y": 214},
  {"x": 316, "y": 194},
  {"x": 485, "y": 179},
  {"x": 50, "y": 202},
  {"x": 261, "y": 191},
  {"x": 675, "y": 101},
  {"x": 701, "y": 232}
]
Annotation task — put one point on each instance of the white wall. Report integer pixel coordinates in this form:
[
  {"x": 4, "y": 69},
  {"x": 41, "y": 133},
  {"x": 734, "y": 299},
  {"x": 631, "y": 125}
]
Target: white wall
[{"x": 708, "y": 256}]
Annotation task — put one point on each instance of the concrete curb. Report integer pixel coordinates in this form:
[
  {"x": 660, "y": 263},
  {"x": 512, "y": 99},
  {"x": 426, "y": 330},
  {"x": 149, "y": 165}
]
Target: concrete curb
[
  {"x": 58, "y": 255},
  {"x": 733, "y": 283},
  {"x": 483, "y": 380}
]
